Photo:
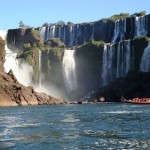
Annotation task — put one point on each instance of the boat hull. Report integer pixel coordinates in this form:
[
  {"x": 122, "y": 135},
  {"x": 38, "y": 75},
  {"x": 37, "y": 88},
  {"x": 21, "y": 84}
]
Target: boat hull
[{"x": 135, "y": 102}]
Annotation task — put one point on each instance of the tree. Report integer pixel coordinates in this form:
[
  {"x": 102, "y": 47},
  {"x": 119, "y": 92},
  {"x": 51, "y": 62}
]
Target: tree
[
  {"x": 21, "y": 24},
  {"x": 61, "y": 23},
  {"x": 70, "y": 23}
]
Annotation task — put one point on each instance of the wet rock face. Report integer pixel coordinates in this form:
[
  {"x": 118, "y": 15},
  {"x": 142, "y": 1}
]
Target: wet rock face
[
  {"x": 135, "y": 84},
  {"x": 108, "y": 30},
  {"x": 16, "y": 38},
  {"x": 12, "y": 93},
  {"x": 77, "y": 34}
]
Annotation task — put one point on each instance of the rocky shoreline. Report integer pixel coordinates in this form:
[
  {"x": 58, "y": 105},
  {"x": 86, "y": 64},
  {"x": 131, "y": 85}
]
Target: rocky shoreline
[{"x": 12, "y": 93}]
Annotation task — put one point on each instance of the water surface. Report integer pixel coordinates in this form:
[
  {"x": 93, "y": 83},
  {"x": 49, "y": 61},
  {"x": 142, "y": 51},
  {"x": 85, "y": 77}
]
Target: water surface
[{"x": 74, "y": 127}]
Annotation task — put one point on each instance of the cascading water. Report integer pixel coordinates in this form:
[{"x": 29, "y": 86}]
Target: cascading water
[
  {"x": 145, "y": 61},
  {"x": 119, "y": 30},
  {"x": 116, "y": 31},
  {"x": 64, "y": 35},
  {"x": 22, "y": 71},
  {"x": 52, "y": 31},
  {"x": 71, "y": 35},
  {"x": 92, "y": 36},
  {"x": 10, "y": 57},
  {"x": 123, "y": 58},
  {"x": 47, "y": 32},
  {"x": 40, "y": 75},
  {"x": 69, "y": 70},
  {"x": 116, "y": 62},
  {"x": 119, "y": 60},
  {"x": 43, "y": 33},
  {"x": 141, "y": 26},
  {"x": 77, "y": 34},
  {"x": 59, "y": 33},
  {"x": 128, "y": 56},
  {"x": 107, "y": 63}
]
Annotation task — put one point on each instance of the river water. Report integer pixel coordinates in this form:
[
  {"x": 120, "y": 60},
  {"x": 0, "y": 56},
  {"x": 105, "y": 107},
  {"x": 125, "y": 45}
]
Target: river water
[{"x": 109, "y": 126}]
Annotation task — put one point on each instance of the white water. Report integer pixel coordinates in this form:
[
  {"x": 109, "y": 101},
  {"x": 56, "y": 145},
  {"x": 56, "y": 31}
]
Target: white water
[
  {"x": 40, "y": 71},
  {"x": 116, "y": 31},
  {"x": 69, "y": 67},
  {"x": 52, "y": 31},
  {"x": 145, "y": 61},
  {"x": 140, "y": 26},
  {"x": 115, "y": 66},
  {"x": 47, "y": 32},
  {"x": 71, "y": 35},
  {"x": 59, "y": 33},
  {"x": 107, "y": 63},
  {"x": 119, "y": 30},
  {"x": 128, "y": 56},
  {"x": 64, "y": 35},
  {"x": 118, "y": 60},
  {"x": 43, "y": 32},
  {"x": 123, "y": 58},
  {"x": 21, "y": 70}
]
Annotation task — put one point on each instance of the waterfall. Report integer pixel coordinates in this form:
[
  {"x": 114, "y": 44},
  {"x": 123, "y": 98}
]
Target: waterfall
[
  {"x": 77, "y": 34},
  {"x": 64, "y": 35},
  {"x": 69, "y": 70},
  {"x": 145, "y": 61},
  {"x": 119, "y": 30},
  {"x": 123, "y": 58},
  {"x": 92, "y": 35},
  {"x": 43, "y": 33},
  {"x": 128, "y": 56},
  {"x": 59, "y": 33},
  {"x": 52, "y": 32},
  {"x": 71, "y": 35},
  {"x": 48, "y": 32},
  {"x": 10, "y": 57},
  {"x": 141, "y": 26},
  {"x": 116, "y": 61},
  {"x": 21, "y": 70},
  {"x": 40, "y": 79},
  {"x": 116, "y": 31},
  {"x": 107, "y": 63}
]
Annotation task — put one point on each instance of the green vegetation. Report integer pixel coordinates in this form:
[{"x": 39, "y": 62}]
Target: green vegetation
[
  {"x": 35, "y": 36},
  {"x": 70, "y": 23},
  {"x": 92, "y": 45},
  {"x": 60, "y": 23},
  {"x": 143, "y": 38},
  {"x": 117, "y": 17},
  {"x": 54, "y": 42},
  {"x": 142, "y": 13},
  {"x": 51, "y": 52},
  {"x": 32, "y": 58},
  {"x": 122, "y": 16},
  {"x": 93, "y": 51},
  {"x": 90, "y": 54}
]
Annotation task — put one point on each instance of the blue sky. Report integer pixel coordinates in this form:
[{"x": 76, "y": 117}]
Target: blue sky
[{"x": 36, "y": 12}]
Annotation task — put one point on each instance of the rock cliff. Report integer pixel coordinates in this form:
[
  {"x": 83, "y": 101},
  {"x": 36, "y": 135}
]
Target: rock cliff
[
  {"x": 135, "y": 84},
  {"x": 12, "y": 93},
  {"x": 104, "y": 51}
]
